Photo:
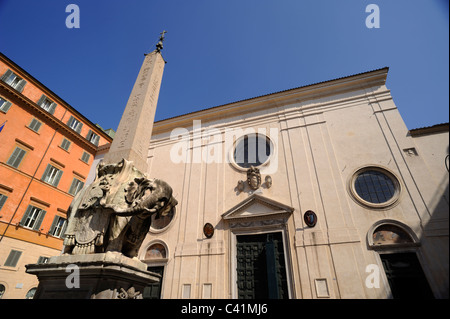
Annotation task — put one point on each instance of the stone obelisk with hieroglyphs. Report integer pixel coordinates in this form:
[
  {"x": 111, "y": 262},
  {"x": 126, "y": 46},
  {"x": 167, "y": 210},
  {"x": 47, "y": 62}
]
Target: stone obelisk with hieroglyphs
[
  {"x": 133, "y": 135},
  {"x": 109, "y": 218}
]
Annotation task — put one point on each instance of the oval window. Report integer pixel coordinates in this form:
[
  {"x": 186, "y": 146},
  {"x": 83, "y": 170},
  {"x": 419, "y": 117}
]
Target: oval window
[
  {"x": 159, "y": 224},
  {"x": 252, "y": 150}
]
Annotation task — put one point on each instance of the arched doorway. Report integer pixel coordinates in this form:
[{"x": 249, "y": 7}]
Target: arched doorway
[
  {"x": 156, "y": 259},
  {"x": 397, "y": 247}
]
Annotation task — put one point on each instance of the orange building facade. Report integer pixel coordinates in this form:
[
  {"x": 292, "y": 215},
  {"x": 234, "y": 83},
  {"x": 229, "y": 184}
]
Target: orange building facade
[{"x": 47, "y": 149}]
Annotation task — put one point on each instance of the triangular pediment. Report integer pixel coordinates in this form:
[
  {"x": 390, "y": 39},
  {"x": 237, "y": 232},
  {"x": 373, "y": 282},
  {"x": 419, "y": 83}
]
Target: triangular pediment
[{"x": 257, "y": 206}]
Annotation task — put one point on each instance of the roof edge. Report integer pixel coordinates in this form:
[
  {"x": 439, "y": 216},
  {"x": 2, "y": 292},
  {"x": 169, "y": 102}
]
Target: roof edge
[
  {"x": 45, "y": 88},
  {"x": 386, "y": 69}
]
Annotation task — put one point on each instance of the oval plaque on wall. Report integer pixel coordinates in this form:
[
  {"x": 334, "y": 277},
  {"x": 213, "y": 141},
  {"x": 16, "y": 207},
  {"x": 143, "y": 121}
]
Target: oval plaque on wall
[
  {"x": 208, "y": 230},
  {"x": 310, "y": 218}
]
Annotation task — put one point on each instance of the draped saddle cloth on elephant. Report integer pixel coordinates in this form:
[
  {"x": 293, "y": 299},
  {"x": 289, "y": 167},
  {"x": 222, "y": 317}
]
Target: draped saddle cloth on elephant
[{"x": 114, "y": 212}]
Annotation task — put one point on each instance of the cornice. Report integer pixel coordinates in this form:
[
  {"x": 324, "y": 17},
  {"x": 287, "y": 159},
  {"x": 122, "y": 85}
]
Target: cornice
[
  {"x": 50, "y": 94},
  {"x": 275, "y": 100}
]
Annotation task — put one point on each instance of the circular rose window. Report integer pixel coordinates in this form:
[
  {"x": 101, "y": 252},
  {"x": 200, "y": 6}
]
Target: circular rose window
[{"x": 375, "y": 187}]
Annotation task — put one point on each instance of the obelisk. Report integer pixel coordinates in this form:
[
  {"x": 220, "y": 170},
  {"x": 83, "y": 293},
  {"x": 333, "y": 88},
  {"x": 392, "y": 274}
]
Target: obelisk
[{"x": 133, "y": 135}]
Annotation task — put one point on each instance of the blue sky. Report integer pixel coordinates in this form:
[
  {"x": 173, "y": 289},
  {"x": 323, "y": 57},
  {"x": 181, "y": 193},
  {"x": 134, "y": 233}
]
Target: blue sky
[{"x": 224, "y": 51}]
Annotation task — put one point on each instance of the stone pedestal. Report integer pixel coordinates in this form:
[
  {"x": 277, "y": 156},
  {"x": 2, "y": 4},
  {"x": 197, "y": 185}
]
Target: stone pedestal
[{"x": 108, "y": 275}]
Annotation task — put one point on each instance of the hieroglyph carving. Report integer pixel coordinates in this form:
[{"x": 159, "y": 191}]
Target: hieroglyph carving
[{"x": 114, "y": 212}]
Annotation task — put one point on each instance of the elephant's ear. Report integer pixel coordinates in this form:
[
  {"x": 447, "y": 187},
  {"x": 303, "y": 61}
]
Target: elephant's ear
[{"x": 170, "y": 203}]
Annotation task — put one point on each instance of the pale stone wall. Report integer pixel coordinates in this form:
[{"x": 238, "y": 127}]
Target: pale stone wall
[
  {"x": 17, "y": 283},
  {"x": 325, "y": 134}
]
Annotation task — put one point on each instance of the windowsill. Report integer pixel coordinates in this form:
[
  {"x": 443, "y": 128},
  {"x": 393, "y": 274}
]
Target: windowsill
[
  {"x": 83, "y": 161},
  {"x": 32, "y": 130},
  {"x": 9, "y": 268},
  {"x": 67, "y": 151}
]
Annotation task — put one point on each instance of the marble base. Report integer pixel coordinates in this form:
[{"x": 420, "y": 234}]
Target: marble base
[{"x": 108, "y": 275}]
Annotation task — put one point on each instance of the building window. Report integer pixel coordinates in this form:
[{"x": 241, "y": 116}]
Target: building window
[
  {"x": 35, "y": 125},
  {"x": 13, "y": 80},
  {"x": 76, "y": 186},
  {"x": 4, "y": 105},
  {"x": 43, "y": 260},
  {"x": 33, "y": 217},
  {"x": 74, "y": 124},
  {"x": 85, "y": 157},
  {"x": 13, "y": 258},
  {"x": 58, "y": 227},
  {"x": 3, "y": 199},
  {"x": 159, "y": 223},
  {"x": 16, "y": 157},
  {"x": 93, "y": 138},
  {"x": 387, "y": 234},
  {"x": 30, "y": 293},
  {"x": 156, "y": 251},
  {"x": 65, "y": 144},
  {"x": 252, "y": 150},
  {"x": 47, "y": 104},
  {"x": 375, "y": 187},
  {"x": 52, "y": 175}
]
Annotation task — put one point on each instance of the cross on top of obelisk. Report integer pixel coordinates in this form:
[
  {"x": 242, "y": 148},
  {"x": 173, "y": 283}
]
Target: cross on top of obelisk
[{"x": 159, "y": 45}]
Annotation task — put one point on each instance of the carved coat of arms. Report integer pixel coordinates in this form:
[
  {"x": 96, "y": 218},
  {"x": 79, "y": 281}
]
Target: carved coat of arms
[{"x": 254, "y": 178}]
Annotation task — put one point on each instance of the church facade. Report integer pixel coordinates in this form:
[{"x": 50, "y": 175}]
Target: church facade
[{"x": 315, "y": 192}]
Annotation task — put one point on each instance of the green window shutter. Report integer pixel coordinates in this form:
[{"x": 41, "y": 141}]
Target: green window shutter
[
  {"x": 25, "y": 216},
  {"x": 35, "y": 125},
  {"x": 79, "y": 126},
  {"x": 80, "y": 187},
  {"x": 16, "y": 157},
  {"x": 6, "y": 105},
  {"x": 6, "y": 75},
  {"x": 65, "y": 144},
  {"x": 63, "y": 231},
  {"x": 55, "y": 221},
  {"x": 89, "y": 134},
  {"x": 70, "y": 120},
  {"x": 41, "y": 100},
  {"x": 52, "y": 108},
  {"x": 2, "y": 200},
  {"x": 13, "y": 258},
  {"x": 58, "y": 177},
  {"x": 21, "y": 85},
  {"x": 85, "y": 157},
  {"x": 96, "y": 140},
  {"x": 76, "y": 186},
  {"x": 73, "y": 186},
  {"x": 39, "y": 220},
  {"x": 46, "y": 172}
]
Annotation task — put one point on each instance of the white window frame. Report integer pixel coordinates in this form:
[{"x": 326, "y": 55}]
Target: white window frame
[
  {"x": 32, "y": 217},
  {"x": 51, "y": 175},
  {"x": 4, "y": 105},
  {"x": 77, "y": 188},
  {"x": 59, "y": 226}
]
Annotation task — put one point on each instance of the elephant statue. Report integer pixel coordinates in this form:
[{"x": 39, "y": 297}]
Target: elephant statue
[{"x": 114, "y": 213}]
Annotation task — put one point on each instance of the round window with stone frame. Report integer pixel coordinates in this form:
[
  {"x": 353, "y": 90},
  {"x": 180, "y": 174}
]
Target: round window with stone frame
[
  {"x": 162, "y": 223},
  {"x": 252, "y": 150},
  {"x": 375, "y": 187}
]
